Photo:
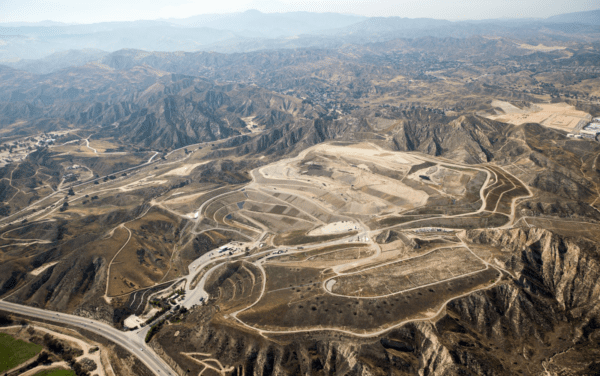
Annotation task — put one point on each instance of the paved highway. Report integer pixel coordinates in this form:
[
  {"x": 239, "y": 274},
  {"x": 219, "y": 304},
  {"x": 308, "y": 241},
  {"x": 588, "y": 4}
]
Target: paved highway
[
  {"x": 128, "y": 340},
  {"x": 60, "y": 190}
]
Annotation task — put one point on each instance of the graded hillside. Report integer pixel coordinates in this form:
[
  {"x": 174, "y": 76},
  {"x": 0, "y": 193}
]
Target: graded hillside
[{"x": 536, "y": 315}]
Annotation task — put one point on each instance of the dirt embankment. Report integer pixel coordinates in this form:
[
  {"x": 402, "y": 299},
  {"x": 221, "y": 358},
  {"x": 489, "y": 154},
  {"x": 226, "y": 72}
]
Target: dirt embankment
[{"x": 519, "y": 326}]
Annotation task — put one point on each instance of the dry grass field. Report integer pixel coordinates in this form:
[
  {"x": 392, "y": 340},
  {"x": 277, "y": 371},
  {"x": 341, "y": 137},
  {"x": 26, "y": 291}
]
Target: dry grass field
[
  {"x": 145, "y": 259},
  {"x": 294, "y": 299},
  {"x": 434, "y": 267}
]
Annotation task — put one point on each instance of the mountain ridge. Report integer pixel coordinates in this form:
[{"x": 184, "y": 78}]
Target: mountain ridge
[{"x": 249, "y": 31}]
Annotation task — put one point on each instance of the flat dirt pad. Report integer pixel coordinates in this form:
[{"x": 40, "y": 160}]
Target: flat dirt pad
[
  {"x": 324, "y": 257},
  {"x": 309, "y": 255},
  {"x": 436, "y": 266},
  {"x": 334, "y": 228},
  {"x": 554, "y": 115},
  {"x": 184, "y": 170},
  {"x": 346, "y": 179}
]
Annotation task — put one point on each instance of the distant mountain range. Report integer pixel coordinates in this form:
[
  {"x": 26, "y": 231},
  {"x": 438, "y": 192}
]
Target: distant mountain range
[
  {"x": 589, "y": 18},
  {"x": 270, "y": 25},
  {"x": 253, "y": 30}
]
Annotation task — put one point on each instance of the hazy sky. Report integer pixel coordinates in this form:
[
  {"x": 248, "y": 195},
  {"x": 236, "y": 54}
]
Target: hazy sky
[{"x": 89, "y": 11}]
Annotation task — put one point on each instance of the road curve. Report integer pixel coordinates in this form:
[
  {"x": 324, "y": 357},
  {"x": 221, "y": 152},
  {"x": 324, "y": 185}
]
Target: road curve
[{"x": 127, "y": 340}]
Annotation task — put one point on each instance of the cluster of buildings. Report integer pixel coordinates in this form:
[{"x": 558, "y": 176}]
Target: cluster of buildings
[
  {"x": 47, "y": 141},
  {"x": 590, "y": 131},
  {"x": 230, "y": 248}
]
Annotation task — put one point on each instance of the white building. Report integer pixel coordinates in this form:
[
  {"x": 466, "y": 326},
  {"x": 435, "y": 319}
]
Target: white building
[
  {"x": 593, "y": 126},
  {"x": 585, "y": 133}
]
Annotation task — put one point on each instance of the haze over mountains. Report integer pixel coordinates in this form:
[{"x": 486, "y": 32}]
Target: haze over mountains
[{"x": 253, "y": 30}]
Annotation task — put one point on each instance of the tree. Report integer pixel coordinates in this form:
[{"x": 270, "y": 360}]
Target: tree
[
  {"x": 71, "y": 192},
  {"x": 43, "y": 358},
  {"x": 5, "y": 320}
]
